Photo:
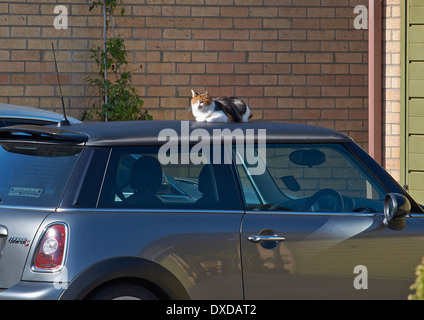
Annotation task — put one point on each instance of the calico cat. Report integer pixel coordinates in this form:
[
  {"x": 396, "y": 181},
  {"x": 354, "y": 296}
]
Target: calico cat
[{"x": 224, "y": 109}]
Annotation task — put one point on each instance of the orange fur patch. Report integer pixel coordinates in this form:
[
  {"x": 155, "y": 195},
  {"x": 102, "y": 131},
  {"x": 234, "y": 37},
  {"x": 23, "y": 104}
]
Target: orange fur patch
[{"x": 204, "y": 98}]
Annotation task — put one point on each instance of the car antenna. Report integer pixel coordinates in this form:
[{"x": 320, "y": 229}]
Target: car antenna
[{"x": 64, "y": 122}]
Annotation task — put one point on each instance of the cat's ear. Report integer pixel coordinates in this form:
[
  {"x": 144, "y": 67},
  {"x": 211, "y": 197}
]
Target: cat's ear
[
  {"x": 194, "y": 93},
  {"x": 206, "y": 93}
]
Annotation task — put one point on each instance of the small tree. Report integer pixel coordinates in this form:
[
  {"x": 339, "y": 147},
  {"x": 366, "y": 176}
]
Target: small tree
[
  {"x": 418, "y": 286},
  {"x": 120, "y": 100}
]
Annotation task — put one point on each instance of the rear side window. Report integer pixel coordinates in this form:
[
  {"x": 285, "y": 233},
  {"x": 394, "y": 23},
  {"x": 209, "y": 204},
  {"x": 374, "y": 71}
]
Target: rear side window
[
  {"x": 35, "y": 175},
  {"x": 136, "y": 179}
]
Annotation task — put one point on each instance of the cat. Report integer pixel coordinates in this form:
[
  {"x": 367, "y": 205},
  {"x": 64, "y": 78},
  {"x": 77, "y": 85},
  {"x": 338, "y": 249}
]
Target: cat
[{"x": 223, "y": 109}]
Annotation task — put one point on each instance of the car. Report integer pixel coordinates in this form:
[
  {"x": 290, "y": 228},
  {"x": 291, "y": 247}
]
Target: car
[
  {"x": 184, "y": 210},
  {"x": 11, "y": 115}
]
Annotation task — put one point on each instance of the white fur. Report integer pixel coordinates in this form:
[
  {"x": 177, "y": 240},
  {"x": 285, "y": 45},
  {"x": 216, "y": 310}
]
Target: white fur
[
  {"x": 204, "y": 113},
  {"x": 245, "y": 117}
]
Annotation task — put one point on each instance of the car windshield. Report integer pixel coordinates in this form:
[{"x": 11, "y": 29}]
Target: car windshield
[
  {"x": 35, "y": 175},
  {"x": 310, "y": 178}
]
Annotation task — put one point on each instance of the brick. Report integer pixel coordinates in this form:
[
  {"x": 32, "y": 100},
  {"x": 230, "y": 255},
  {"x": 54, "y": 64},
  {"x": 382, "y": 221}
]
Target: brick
[
  {"x": 27, "y": 32},
  {"x": 311, "y": 68},
  {"x": 320, "y": 103},
  {"x": 174, "y": 34},
  {"x": 13, "y": 44},
  {"x": 12, "y": 67},
  {"x": 263, "y": 79},
  {"x": 52, "y": 79},
  {"x": 263, "y": 12},
  {"x": 277, "y": 68},
  {"x": 176, "y": 57},
  {"x": 190, "y": 45},
  {"x": 161, "y": 91},
  {"x": 278, "y": 114},
  {"x": 250, "y": 91},
  {"x": 9, "y": 91},
  {"x": 250, "y": 68},
  {"x": 26, "y": 55},
  {"x": 321, "y": 12},
  {"x": 306, "y": 114},
  {"x": 219, "y": 23},
  {"x": 205, "y": 11},
  {"x": 189, "y": 23},
  {"x": 147, "y": 56},
  {"x": 204, "y": 56},
  {"x": 320, "y": 80},
  {"x": 276, "y": 46},
  {"x": 212, "y": 45},
  {"x": 247, "y": 45},
  {"x": 192, "y": 68},
  {"x": 262, "y": 57},
  {"x": 143, "y": 79},
  {"x": 231, "y": 11},
  {"x": 36, "y": 91},
  {"x": 163, "y": 22},
  {"x": 161, "y": 67},
  {"x": 219, "y": 68},
  {"x": 232, "y": 57},
  {"x": 306, "y": 91},
  {"x": 291, "y": 103},
  {"x": 5, "y": 78},
  {"x": 175, "y": 79},
  {"x": 319, "y": 57},
  {"x": 278, "y": 91},
  {"x": 335, "y": 91},
  {"x": 291, "y": 80},
  {"x": 267, "y": 103},
  {"x": 237, "y": 80},
  {"x": 206, "y": 80},
  {"x": 20, "y": 8},
  {"x": 206, "y": 34},
  {"x": 235, "y": 34},
  {"x": 174, "y": 102},
  {"x": 248, "y": 23}
]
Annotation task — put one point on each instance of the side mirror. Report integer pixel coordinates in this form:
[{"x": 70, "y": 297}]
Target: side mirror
[{"x": 396, "y": 208}]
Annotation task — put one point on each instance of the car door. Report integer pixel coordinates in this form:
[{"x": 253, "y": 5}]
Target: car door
[
  {"x": 314, "y": 228},
  {"x": 183, "y": 216}
]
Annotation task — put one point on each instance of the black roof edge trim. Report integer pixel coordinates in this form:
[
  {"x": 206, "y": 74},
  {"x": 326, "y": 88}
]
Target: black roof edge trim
[{"x": 41, "y": 133}]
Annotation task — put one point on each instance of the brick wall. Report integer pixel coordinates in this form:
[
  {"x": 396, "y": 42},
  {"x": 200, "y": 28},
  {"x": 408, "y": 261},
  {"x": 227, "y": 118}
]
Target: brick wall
[
  {"x": 391, "y": 85},
  {"x": 291, "y": 60}
]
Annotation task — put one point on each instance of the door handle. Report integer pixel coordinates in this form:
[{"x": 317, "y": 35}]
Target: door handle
[{"x": 257, "y": 238}]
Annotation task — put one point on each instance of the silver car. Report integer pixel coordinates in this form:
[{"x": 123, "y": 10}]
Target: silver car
[
  {"x": 187, "y": 210},
  {"x": 12, "y": 115}
]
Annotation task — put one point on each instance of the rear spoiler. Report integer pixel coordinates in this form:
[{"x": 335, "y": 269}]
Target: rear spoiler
[{"x": 41, "y": 133}]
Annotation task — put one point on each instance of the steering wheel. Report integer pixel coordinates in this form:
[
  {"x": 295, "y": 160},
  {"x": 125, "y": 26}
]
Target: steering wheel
[{"x": 322, "y": 193}]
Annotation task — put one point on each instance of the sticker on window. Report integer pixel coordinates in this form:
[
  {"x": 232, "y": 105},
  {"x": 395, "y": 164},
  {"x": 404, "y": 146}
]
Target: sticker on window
[{"x": 25, "y": 192}]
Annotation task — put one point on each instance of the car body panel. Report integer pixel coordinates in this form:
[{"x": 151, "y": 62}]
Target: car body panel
[
  {"x": 22, "y": 226},
  {"x": 317, "y": 260},
  {"x": 200, "y": 248}
]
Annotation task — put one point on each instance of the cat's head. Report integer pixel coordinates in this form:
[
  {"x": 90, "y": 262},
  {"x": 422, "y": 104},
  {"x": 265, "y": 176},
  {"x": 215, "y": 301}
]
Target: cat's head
[{"x": 200, "y": 101}]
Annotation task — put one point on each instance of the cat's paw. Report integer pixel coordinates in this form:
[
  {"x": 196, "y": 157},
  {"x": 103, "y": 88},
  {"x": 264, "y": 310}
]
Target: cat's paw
[{"x": 201, "y": 119}]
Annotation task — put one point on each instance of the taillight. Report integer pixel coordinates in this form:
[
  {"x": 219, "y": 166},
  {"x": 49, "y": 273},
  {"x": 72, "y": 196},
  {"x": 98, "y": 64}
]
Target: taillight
[{"x": 51, "y": 251}]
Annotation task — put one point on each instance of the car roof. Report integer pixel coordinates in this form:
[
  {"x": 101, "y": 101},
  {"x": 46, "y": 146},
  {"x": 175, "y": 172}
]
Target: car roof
[
  {"x": 148, "y": 132},
  {"x": 14, "y": 111}
]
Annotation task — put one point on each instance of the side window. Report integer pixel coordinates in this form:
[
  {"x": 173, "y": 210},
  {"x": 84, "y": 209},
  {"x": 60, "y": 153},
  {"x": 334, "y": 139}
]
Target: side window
[
  {"x": 314, "y": 178},
  {"x": 136, "y": 179}
]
